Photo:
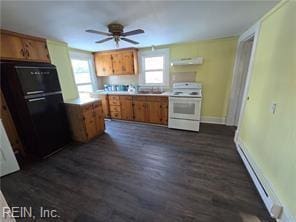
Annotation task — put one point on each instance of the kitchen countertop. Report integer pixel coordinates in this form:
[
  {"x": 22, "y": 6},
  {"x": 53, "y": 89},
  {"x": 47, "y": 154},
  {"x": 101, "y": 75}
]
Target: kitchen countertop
[
  {"x": 81, "y": 101},
  {"x": 130, "y": 93}
]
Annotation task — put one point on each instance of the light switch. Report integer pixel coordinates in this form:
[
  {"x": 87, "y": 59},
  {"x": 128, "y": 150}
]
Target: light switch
[{"x": 273, "y": 108}]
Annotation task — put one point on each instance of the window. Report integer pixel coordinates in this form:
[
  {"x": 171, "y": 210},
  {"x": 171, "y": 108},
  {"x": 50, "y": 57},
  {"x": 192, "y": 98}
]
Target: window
[
  {"x": 155, "y": 68},
  {"x": 83, "y": 72}
]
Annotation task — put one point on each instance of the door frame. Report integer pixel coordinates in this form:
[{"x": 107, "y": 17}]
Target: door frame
[{"x": 252, "y": 32}]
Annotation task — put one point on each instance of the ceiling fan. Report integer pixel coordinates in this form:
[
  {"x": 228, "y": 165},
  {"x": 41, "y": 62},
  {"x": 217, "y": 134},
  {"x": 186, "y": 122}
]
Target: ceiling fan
[{"x": 116, "y": 33}]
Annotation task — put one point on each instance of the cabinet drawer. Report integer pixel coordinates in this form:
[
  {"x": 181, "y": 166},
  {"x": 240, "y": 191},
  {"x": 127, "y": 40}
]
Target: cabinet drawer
[
  {"x": 163, "y": 98},
  {"x": 139, "y": 98},
  {"x": 114, "y": 98},
  {"x": 125, "y": 97},
  {"x": 115, "y": 108},
  {"x": 115, "y": 115},
  {"x": 153, "y": 98},
  {"x": 114, "y": 103}
]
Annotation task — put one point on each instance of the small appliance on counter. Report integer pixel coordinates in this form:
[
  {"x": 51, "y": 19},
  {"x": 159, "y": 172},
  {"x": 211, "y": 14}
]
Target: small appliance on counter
[
  {"x": 132, "y": 89},
  {"x": 185, "y": 106},
  {"x": 34, "y": 97}
]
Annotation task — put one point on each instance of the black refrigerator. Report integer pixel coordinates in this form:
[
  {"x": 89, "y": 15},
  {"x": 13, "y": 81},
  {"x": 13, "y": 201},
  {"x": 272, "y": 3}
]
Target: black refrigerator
[{"x": 33, "y": 95}]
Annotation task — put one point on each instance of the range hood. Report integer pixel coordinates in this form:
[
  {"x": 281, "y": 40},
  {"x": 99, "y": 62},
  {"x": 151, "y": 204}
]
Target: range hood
[{"x": 187, "y": 61}]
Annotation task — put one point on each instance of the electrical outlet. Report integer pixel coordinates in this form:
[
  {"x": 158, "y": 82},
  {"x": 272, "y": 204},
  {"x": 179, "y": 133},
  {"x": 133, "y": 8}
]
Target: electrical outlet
[{"x": 273, "y": 108}]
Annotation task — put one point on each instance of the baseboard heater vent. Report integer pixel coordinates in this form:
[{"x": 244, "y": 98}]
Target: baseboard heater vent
[{"x": 274, "y": 209}]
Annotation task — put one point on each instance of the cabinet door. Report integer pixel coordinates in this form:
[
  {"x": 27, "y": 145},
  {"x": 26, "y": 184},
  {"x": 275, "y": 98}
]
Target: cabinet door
[
  {"x": 126, "y": 108},
  {"x": 127, "y": 66},
  {"x": 12, "y": 47},
  {"x": 154, "y": 112},
  {"x": 103, "y": 63},
  {"x": 89, "y": 121},
  {"x": 123, "y": 63},
  {"x": 117, "y": 63},
  {"x": 10, "y": 127},
  {"x": 105, "y": 105},
  {"x": 99, "y": 118},
  {"x": 139, "y": 110},
  {"x": 90, "y": 127},
  {"x": 164, "y": 112},
  {"x": 36, "y": 50}
]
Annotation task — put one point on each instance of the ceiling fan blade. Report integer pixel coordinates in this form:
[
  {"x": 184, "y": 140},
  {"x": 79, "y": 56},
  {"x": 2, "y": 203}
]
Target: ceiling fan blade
[
  {"x": 134, "y": 32},
  {"x": 98, "y": 32},
  {"x": 104, "y": 40},
  {"x": 129, "y": 40}
]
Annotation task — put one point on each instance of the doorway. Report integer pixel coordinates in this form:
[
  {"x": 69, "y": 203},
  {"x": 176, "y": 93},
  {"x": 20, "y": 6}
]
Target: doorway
[{"x": 241, "y": 75}]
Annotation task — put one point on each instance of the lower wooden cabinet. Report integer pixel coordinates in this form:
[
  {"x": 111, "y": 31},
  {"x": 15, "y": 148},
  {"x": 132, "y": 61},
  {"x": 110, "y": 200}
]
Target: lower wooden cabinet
[
  {"x": 149, "y": 109},
  {"x": 126, "y": 107},
  {"x": 10, "y": 128},
  {"x": 140, "y": 113},
  {"x": 86, "y": 120},
  {"x": 105, "y": 105}
]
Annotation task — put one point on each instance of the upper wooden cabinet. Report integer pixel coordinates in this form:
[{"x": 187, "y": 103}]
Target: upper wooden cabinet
[
  {"x": 103, "y": 63},
  {"x": 118, "y": 62},
  {"x": 15, "y": 46}
]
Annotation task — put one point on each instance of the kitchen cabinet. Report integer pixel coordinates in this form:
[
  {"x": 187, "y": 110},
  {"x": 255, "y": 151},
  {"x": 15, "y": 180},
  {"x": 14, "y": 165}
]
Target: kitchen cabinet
[
  {"x": 36, "y": 50},
  {"x": 10, "y": 128},
  {"x": 115, "y": 109},
  {"x": 15, "y": 46},
  {"x": 103, "y": 64},
  {"x": 86, "y": 120},
  {"x": 139, "y": 108},
  {"x": 148, "y": 109},
  {"x": 164, "y": 110},
  {"x": 154, "y": 111},
  {"x": 117, "y": 62},
  {"x": 11, "y": 47},
  {"x": 126, "y": 107},
  {"x": 105, "y": 105}
]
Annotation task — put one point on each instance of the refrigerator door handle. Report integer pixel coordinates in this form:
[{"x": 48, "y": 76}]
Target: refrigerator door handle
[
  {"x": 33, "y": 100},
  {"x": 35, "y": 92}
]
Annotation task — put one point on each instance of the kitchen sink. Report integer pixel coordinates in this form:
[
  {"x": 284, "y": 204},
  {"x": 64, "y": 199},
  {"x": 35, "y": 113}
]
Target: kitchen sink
[{"x": 150, "y": 92}]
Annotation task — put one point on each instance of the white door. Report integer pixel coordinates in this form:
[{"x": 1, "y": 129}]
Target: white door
[{"x": 8, "y": 162}]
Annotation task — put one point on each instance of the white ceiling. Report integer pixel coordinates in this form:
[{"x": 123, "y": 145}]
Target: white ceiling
[{"x": 164, "y": 22}]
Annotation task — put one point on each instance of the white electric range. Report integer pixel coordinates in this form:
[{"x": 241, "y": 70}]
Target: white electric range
[{"x": 185, "y": 106}]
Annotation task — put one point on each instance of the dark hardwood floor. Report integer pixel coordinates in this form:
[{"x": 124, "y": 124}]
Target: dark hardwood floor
[{"x": 138, "y": 172}]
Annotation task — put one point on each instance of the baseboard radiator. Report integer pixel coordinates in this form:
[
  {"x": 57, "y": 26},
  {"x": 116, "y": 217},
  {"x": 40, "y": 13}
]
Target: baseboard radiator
[{"x": 271, "y": 202}]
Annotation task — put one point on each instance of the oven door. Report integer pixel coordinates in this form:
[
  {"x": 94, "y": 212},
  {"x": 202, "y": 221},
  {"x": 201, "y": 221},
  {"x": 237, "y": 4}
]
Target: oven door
[{"x": 184, "y": 108}]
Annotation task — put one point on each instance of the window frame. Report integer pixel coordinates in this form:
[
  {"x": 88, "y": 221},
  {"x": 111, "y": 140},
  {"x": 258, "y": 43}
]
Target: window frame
[
  {"x": 166, "y": 66},
  {"x": 89, "y": 58}
]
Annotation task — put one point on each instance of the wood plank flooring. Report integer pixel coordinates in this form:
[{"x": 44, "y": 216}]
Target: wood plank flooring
[{"x": 138, "y": 172}]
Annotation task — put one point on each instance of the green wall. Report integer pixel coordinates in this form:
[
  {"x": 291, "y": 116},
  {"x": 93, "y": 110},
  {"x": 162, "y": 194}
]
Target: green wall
[
  {"x": 270, "y": 139},
  {"x": 59, "y": 55},
  {"x": 215, "y": 73}
]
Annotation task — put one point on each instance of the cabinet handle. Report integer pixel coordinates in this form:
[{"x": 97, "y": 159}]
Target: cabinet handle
[{"x": 37, "y": 99}]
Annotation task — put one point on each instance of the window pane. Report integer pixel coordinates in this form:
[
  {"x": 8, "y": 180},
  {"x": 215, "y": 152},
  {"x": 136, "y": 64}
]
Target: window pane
[
  {"x": 154, "y": 77},
  {"x": 81, "y": 71},
  {"x": 154, "y": 63},
  {"x": 85, "y": 88}
]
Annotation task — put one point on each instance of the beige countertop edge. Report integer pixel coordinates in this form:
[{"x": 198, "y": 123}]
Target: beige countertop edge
[
  {"x": 81, "y": 101},
  {"x": 132, "y": 94}
]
